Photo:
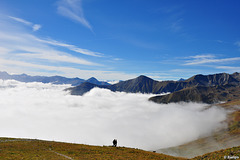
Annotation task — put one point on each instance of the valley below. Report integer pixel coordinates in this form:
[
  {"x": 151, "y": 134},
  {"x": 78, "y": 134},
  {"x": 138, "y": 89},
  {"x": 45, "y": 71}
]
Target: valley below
[{"x": 186, "y": 118}]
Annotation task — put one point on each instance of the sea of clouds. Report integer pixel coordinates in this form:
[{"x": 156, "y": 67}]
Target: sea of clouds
[{"x": 45, "y": 111}]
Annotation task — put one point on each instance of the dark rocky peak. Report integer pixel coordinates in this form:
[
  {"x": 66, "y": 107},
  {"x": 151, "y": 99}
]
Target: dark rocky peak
[
  {"x": 236, "y": 75},
  {"x": 95, "y": 81},
  {"x": 198, "y": 79},
  {"x": 212, "y": 80},
  {"x": 222, "y": 79},
  {"x": 82, "y": 88},
  {"x": 181, "y": 79},
  {"x": 142, "y": 78},
  {"x": 92, "y": 80},
  {"x": 139, "y": 80}
]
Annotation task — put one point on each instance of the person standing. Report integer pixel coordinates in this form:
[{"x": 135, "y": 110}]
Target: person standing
[{"x": 114, "y": 143}]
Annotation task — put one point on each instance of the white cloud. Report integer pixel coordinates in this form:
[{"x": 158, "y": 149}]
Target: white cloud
[
  {"x": 73, "y": 9},
  {"x": 4, "y": 50},
  {"x": 237, "y": 43},
  {"x": 71, "y": 47},
  {"x": 23, "y": 52},
  {"x": 21, "y": 20},
  {"x": 27, "y": 46},
  {"x": 229, "y": 68},
  {"x": 202, "y": 56},
  {"x": 52, "y": 114},
  {"x": 35, "y": 27},
  {"x": 176, "y": 25},
  {"x": 117, "y": 59},
  {"x": 208, "y": 59}
]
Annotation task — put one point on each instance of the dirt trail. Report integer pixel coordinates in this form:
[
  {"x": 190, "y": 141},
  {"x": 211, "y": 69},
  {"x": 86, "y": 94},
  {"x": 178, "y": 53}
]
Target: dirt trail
[{"x": 60, "y": 154}]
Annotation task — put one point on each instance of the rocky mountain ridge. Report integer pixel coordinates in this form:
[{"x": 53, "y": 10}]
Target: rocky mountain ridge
[{"x": 198, "y": 88}]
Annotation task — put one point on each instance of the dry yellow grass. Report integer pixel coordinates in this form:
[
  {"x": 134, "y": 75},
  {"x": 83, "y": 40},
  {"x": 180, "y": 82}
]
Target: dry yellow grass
[
  {"x": 28, "y": 149},
  {"x": 38, "y": 149},
  {"x": 230, "y": 153}
]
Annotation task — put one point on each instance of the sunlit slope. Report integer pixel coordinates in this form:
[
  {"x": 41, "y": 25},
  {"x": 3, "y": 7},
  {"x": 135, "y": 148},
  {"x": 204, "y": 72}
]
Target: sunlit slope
[
  {"x": 229, "y": 153},
  {"x": 37, "y": 149},
  {"x": 11, "y": 148}
]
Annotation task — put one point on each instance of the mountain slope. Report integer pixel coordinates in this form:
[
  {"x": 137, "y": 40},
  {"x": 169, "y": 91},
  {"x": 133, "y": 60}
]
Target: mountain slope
[
  {"x": 204, "y": 88},
  {"x": 213, "y": 94},
  {"x": 212, "y": 80},
  {"x": 82, "y": 88},
  {"x": 12, "y": 148},
  {"x": 143, "y": 84},
  {"x": 38, "y": 149}
]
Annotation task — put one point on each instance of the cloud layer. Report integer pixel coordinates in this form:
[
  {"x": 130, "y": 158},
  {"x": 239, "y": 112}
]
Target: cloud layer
[{"x": 45, "y": 111}]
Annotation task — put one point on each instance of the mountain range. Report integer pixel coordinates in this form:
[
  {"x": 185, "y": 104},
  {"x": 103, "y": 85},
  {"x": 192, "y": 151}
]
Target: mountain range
[
  {"x": 53, "y": 79},
  {"x": 198, "y": 88}
]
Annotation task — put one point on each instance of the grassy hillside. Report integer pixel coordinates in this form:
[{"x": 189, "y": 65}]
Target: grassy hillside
[
  {"x": 30, "y": 149},
  {"x": 230, "y": 153},
  {"x": 37, "y": 149}
]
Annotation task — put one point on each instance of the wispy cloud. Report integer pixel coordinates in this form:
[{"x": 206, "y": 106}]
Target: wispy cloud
[
  {"x": 176, "y": 25},
  {"x": 237, "y": 43},
  {"x": 73, "y": 9},
  {"x": 26, "y": 46},
  {"x": 71, "y": 47},
  {"x": 34, "y": 27},
  {"x": 174, "y": 14},
  {"x": 229, "y": 68},
  {"x": 206, "y": 56},
  {"x": 208, "y": 59},
  {"x": 23, "y": 52}
]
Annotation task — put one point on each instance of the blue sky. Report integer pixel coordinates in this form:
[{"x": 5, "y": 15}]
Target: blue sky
[{"x": 120, "y": 39}]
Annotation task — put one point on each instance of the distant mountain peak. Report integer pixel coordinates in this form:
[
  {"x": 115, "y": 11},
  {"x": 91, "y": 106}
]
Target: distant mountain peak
[
  {"x": 144, "y": 78},
  {"x": 95, "y": 81},
  {"x": 181, "y": 79},
  {"x": 92, "y": 79}
]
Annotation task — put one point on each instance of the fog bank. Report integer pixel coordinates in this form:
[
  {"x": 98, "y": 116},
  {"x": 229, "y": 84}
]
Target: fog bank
[{"x": 45, "y": 111}]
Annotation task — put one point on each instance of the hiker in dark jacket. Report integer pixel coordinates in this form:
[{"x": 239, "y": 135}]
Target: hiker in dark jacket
[{"x": 114, "y": 143}]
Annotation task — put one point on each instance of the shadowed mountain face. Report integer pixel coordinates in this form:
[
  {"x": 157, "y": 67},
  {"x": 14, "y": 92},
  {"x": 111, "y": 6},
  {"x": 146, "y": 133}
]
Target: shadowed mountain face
[
  {"x": 236, "y": 75},
  {"x": 52, "y": 79},
  {"x": 141, "y": 84},
  {"x": 207, "y": 89},
  {"x": 213, "y": 94},
  {"x": 213, "y": 80},
  {"x": 82, "y": 88},
  {"x": 199, "y": 88}
]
